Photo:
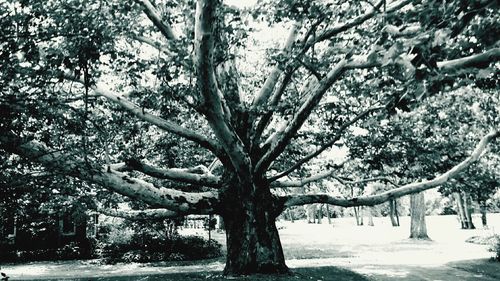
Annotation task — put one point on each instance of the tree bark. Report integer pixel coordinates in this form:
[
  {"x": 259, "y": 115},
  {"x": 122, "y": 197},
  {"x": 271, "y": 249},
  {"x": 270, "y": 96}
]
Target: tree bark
[
  {"x": 328, "y": 214},
  {"x": 252, "y": 239},
  {"x": 468, "y": 211},
  {"x": 358, "y": 215},
  {"x": 483, "y": 209},
  {"x": 290, "y": 215},
  {"x": 393, "y": 212},
  {"x": 320, "y": 213},
  {"x": 370, "y": 216},
  {"x": 396, "y": 211},
  {"x": 460, "y": 210},
  {"x": 311, "y": 213},
  {"x": 417, "y": 210}
]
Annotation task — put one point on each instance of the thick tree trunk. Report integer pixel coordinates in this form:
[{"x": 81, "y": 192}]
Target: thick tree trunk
[
  {"x": 253, "y": 245},
  {"x": 252, "y": 239},
  {"x": 393, "y": 212},
  {"x": 417, "y": 211}
]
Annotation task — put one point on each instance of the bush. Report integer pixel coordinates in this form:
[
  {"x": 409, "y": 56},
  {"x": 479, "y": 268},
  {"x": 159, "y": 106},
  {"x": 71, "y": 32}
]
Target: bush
[
  {"x": 73, "y": 250},
  {"x": 151, "y": 248},
  {"x": 495, "y": 247},
  {"x": 195, "y": 247}
]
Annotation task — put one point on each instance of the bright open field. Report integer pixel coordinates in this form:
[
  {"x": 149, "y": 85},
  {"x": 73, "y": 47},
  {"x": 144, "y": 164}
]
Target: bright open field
[{"x": 321, "y": 252}]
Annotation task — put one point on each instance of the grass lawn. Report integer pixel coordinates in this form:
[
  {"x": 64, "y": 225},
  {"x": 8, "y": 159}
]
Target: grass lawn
[
  {"x": 341, "y": 251},
  {"x": 301, "y": 274}
]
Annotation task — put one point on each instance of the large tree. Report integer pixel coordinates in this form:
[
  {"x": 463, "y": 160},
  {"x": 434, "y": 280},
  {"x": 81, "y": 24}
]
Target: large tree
[{"x": 126, "y": 94}]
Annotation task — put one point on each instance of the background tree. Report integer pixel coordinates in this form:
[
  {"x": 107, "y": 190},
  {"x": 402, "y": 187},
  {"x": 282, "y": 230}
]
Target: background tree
[{"x": 105, "y": 91}]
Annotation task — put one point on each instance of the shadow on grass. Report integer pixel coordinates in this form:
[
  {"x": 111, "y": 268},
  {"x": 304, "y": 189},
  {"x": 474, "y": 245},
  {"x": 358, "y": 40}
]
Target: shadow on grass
[
  {"x": 299, "y": 274},
  {"x": 465, "y": 270},
  {"x": 485, "y": 267}
]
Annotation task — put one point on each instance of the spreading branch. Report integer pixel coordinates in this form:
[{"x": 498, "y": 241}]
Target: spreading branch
[
  {"x": 325, "y": 146},
  {"x": 274, "y": 100},
  {"x": 333, "y": 31},
  {"x": 268, "y": 87},
  {"x": 346, "y": 181},
  {"x": 140, "y": 215},
  {"x": 152, "y": 43},
  {"x": 190, "y": 175},
  {"x": 153, "y": 14},
  {"x": 74, "y": 166},
  {"x": 283, "y": 137},
  {"x": 476, "y": 60},
  {"x": 325, "y": 35},
  {"x": 415, "y": 187},
  {"x": 166, "y": 125},
  {"x": 471, "y": 61},
  {"x": 214, "y": 106},
  {"x": 308, "y": 180}
]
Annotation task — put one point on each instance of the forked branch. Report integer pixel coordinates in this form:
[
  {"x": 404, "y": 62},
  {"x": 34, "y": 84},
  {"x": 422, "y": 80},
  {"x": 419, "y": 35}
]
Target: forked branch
[
  {"x": 74, "y": 166},
  {"x": 314, "y": 96},
  {"x": 333, "y": 31},
  {"x": 325, "y": 146},
  {"x": 268, "y": 87},
  {"x": 166, "y": 125},
  {"x": 214, "y": 106}
]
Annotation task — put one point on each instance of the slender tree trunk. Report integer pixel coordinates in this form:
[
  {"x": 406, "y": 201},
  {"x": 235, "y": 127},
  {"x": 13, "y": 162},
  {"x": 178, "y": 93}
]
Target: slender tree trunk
[
  {"x": 328, "y": 214},
  {"x": 290, "y": 215},
  {"x": 460, "y": 210},
  {"x": 311, "y": 213},
  {"x": 370, "y": 216},
  {"x": 396, "y": 211},
  {"x": 482, "y": 206},
  {"x": 320, "y": 213},
  {"x": 393, "y": 212},
  {"x": 359, "y": 219},
  {"x": 417, "y": 210},
  {"x": 360, "y": 212},
  {"x": 468, "y": 211}
]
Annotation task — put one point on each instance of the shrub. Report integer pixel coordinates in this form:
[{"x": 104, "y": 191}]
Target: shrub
[
  {"x": 495, "y": 247},
  {"x": 73, "y": 250},
  {"x": 150, "y": 248},
  {"x": 69, "y": 251},
  {"x": 195, "y": 247}
]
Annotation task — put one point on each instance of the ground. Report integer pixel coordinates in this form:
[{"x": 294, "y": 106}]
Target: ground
[{"x": 341, "y": 251}]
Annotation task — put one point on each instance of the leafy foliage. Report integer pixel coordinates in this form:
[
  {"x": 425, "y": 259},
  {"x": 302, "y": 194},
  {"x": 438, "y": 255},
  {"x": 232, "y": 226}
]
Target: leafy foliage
[{"x": 171, "y": 85}]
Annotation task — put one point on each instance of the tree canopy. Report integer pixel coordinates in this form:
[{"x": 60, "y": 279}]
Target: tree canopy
[{"x": 185, "y": 106}]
